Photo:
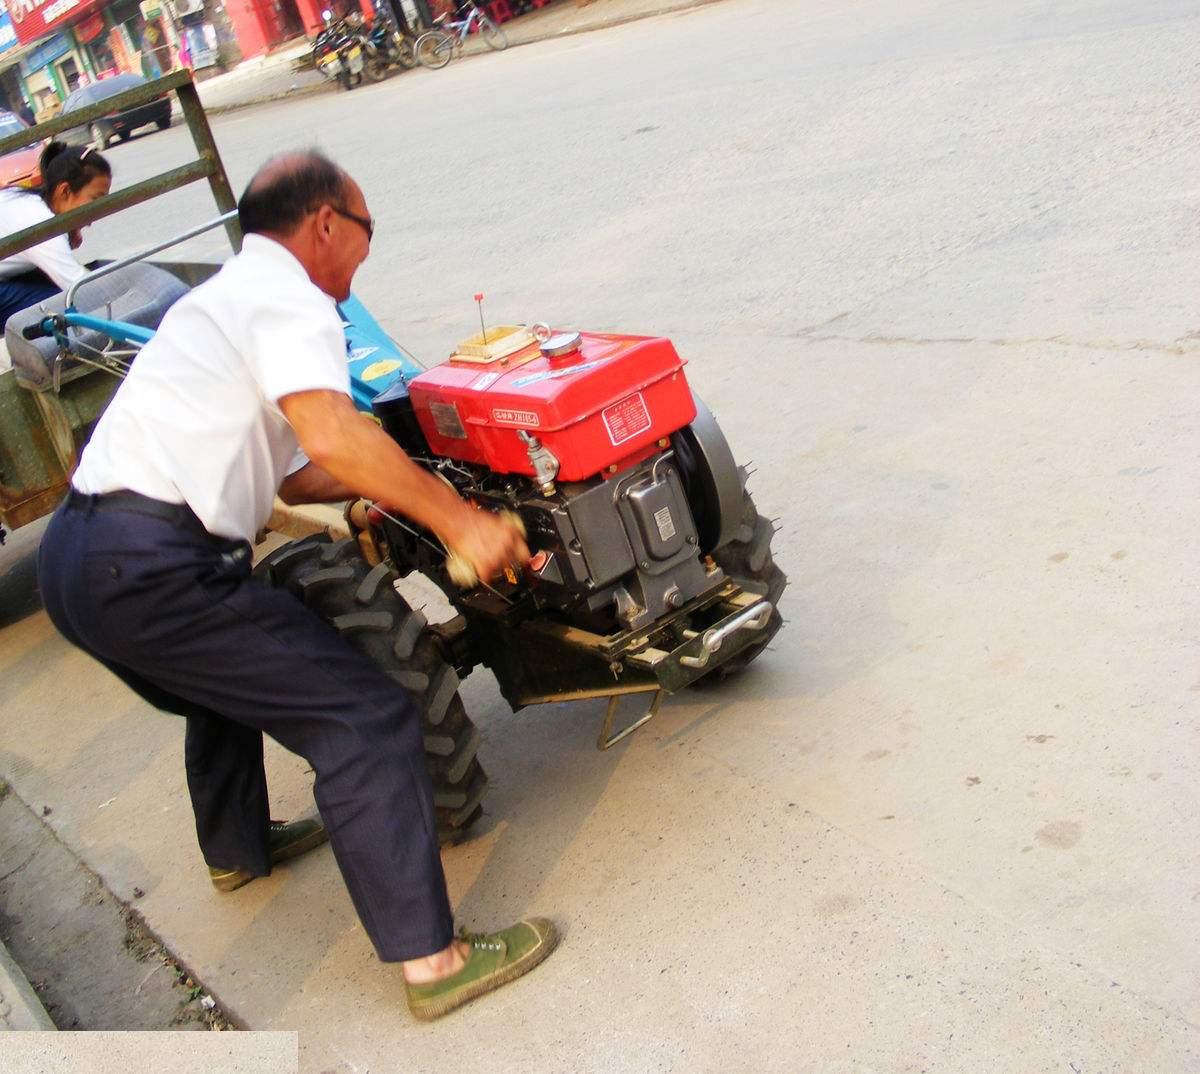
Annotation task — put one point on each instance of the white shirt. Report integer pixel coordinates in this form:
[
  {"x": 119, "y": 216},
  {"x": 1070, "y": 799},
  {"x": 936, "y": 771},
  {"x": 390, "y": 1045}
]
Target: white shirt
[
  {"x": 20, "y": 209},
  {"x": 197, "y": 420}
]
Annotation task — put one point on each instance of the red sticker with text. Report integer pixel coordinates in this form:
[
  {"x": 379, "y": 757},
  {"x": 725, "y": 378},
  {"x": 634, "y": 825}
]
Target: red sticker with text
[{"x": 624, "y": 420}]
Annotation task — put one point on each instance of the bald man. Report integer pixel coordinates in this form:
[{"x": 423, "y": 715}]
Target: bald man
[{"x": 244, "y": 393}]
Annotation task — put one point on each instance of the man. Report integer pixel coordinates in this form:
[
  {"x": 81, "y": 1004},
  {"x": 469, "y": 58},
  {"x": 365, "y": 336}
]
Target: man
[{"x": 244, "y": 392}]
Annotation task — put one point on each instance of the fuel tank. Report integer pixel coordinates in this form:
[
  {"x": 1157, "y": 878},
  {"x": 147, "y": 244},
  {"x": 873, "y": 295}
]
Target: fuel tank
[{"x": 599, "y": 402}]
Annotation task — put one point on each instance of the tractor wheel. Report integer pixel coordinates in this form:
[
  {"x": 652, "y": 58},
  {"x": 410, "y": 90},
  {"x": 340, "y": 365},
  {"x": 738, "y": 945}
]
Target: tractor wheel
[
  {"x": 747, "y": 559},
  {"x": 361, "y": 603}
]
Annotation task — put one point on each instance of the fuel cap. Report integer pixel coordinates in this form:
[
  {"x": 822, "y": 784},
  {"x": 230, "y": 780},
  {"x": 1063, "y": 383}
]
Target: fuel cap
[{"x": 562, "y": 344}]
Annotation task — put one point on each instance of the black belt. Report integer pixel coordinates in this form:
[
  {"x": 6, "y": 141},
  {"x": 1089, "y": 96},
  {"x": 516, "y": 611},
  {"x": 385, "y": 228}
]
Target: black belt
[{"x": 178, "y": 514}]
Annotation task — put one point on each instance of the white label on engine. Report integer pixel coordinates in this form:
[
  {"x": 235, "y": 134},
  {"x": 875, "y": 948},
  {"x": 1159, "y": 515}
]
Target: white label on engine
[
  {"x": 516, "y": 417},
  {"x": 666, "y": 524},
  {"x": 624, "y": 420},
  {"x": 485, "y": 382},
  {"x": 557, "y": 374}
]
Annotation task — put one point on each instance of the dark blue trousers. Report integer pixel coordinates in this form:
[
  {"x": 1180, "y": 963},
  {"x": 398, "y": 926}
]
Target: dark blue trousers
[
  {"x": 20, "y": 292},
  {"x": 174, "y": 612}
]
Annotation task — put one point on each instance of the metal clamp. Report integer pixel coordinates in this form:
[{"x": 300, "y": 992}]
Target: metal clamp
[
  {"x": 605, "y": 742},
  {"x": 753, "y": 618}
]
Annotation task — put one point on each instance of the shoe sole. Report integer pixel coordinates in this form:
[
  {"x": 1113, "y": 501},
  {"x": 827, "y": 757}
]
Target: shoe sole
[
  {"x": 428, "y": 1010},
  {"x": 231, "y": 881}
]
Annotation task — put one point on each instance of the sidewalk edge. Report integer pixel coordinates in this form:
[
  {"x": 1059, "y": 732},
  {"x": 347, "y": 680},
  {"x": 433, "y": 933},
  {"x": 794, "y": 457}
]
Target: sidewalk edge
[{"x": 20, "y": 1008}]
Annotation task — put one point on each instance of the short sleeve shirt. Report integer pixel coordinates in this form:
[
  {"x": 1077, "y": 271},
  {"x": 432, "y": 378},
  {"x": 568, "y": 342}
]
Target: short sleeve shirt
[{"x": 197, "y": 420}]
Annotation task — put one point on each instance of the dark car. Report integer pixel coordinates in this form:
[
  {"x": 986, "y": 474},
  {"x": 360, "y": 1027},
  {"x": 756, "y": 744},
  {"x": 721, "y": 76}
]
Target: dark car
[{"x": 119, "y": 124}]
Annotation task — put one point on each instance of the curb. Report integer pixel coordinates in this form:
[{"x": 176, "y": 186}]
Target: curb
[
  {"x": 617, "y": 20},
  {"x": 20, "y": 1008}
]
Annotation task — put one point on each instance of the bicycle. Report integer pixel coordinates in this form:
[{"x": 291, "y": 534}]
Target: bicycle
[{"x": 435, "y": 48}]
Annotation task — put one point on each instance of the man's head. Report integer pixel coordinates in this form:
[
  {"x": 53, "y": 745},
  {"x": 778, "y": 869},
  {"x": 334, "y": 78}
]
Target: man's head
[{"x": 308, "y": 204}]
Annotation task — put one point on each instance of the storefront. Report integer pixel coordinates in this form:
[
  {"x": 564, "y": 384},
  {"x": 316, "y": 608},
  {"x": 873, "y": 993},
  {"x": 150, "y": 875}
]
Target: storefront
[
  {"x": 91, "y": 33},
  {"x": 50, "y": 72},
  {"x": 139, "y": 37},
  {"x": 261, "y": 25},
  {"x": 51, "y": 64},
  {"x": 12, "y": 96},
  {"x": 199, "y": 45}
]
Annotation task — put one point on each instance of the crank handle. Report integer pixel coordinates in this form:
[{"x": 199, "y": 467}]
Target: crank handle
[
  {"x": 461, "y": 573},
  {"x": 753, "y": 618}
]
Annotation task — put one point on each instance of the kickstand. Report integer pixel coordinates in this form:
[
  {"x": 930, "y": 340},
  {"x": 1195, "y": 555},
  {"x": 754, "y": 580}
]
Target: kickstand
[{"x": 604, "y": 742}]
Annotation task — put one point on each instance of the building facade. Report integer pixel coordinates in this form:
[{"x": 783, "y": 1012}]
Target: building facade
[{"x": 50, "y": 47}]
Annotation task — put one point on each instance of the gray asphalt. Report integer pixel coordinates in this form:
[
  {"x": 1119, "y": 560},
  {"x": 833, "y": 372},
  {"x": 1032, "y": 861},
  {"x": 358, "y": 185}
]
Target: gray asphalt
[{"x": 935, "y": 266}]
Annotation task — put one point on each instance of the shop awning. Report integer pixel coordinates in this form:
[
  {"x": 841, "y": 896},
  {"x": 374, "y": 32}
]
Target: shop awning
[
  {"x": 15, "y": 55},
  {"x": 35, "y": 19}
]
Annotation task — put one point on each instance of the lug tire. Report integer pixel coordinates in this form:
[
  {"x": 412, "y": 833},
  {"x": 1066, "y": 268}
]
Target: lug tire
[
  {"x": 360, "y": 602},
  {"x": 748, "y": 560},
  {"x": 162, "y": 124},
  {"x": 376, "y": 68}
]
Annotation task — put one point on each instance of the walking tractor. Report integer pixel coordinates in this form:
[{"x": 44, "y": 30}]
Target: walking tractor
[{"x": 652, "y": 569}]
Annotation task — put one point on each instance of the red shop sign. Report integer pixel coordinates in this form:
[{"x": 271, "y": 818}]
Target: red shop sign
[
  {"x": 36, "y": 18},
  {"x": 90, "y": 28}
]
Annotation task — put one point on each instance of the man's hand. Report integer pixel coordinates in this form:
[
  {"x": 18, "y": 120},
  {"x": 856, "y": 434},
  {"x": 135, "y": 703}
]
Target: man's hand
[{"x": 488, "y": 543}]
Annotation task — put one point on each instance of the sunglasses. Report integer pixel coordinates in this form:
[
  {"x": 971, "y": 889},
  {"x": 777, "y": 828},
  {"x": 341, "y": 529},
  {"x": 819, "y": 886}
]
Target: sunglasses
[{"x": 364, "y": 222}]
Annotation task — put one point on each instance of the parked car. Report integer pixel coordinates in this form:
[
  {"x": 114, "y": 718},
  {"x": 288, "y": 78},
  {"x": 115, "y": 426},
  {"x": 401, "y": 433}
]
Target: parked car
[
  {"x": 19, "y": 168},
  {"x": 120, "y": 124}
]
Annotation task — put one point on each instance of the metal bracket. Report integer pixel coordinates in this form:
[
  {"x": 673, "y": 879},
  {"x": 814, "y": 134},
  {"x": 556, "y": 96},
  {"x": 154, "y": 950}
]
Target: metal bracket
[
  {"x": 605, "y": 742},
  {"x": 753, "y": 618}
]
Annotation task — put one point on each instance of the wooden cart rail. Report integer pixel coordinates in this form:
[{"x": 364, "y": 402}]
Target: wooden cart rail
[{"x": 207, "y": 164}]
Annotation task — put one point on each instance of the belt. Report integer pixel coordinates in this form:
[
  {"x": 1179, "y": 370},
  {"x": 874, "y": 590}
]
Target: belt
[{"x": 178, "y": 514}]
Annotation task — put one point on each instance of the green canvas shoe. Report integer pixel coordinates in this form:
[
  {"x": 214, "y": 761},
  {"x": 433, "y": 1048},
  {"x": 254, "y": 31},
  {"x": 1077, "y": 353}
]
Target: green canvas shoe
[
  {"x": 495, "y": 959},
  {"x": 285, "y": 840}
]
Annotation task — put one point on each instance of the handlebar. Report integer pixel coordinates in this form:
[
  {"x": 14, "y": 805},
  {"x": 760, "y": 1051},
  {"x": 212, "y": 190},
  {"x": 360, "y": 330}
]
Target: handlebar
[{"x": 42, "y": 329}]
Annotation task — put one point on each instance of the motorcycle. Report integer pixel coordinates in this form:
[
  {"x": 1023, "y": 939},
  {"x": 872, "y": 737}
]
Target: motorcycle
[
  {"x": 383, "y": 44},
  {"x": 338, "y": 53},
  {"x": 390, "y": 41}
]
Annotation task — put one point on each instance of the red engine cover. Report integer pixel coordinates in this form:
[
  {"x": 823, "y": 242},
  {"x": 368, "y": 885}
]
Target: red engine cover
[{"x": 600, "y": 406}]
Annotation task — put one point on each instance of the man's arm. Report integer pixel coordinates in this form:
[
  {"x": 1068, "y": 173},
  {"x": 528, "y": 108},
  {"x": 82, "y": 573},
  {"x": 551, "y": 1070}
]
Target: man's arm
[
  {"x": 311, "y": 484},
  {"x": 358, "y": 455}
]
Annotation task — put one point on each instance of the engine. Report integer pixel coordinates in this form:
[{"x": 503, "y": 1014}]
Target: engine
[{"x": 579, "y": 433}]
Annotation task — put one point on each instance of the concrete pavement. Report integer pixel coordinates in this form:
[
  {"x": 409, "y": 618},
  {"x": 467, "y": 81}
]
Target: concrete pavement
[
  {"x": 122, "y": 1053},
  {"x": 935, "y": 268}
]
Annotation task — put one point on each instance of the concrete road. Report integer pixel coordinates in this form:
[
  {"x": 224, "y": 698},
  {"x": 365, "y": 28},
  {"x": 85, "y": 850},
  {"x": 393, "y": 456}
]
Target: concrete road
[{"x": 935, "y": 265}]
